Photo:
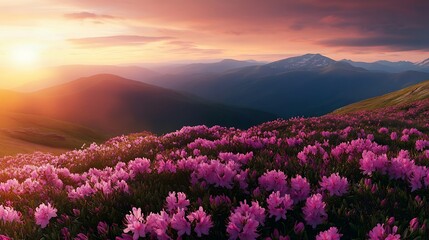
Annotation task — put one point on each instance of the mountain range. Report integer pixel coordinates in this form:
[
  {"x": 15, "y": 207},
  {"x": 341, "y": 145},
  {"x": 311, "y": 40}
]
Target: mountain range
[
  {"x": 308, "y": 85},
  {"x": 394, "y": 67},
  {"x": 206, "y": 68}
]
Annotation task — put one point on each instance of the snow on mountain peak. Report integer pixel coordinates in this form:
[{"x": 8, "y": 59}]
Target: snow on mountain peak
[{"x": 304, "y": 62}]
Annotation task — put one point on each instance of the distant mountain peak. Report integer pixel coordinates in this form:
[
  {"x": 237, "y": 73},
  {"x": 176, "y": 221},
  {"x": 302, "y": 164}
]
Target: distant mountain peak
[
  {"x": 102, "y": 78},
  {"x": 308, "y": 61},
  {"x": 229, "y": 60},
  {"x": 424, "y": 63}
]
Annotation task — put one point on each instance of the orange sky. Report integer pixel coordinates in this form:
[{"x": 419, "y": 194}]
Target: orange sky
[{"x": 59, "y": 32}]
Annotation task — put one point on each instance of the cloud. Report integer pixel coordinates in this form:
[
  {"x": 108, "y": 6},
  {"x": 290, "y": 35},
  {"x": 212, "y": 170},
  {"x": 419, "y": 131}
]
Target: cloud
[
  {"x": 187, "y": 47},
  {"x": 88, "y": 15},
  {"x": 307, "y": 21},
  {"x": 404, "y": 43},
  {"x": 118, "y": 40}
]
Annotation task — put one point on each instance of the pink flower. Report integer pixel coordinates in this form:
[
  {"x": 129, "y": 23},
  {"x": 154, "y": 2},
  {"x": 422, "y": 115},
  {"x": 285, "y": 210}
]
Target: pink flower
[
  {"x": 274, "y": 180},
  {"x": 216, "y": 173},
  {"x": 405, "y": 138},
  {"x": 65, "y": 233},
  {"x": 242, "y": 227},
  {"x": 102, "y": 228},
  {"x": 179, "y": 223},
  {"x": 381, "y": 232},
  {"x": 417, "y": 175},
  {"x": 421, "y": 145},
  {"x": 383, "y": 130},
  {"x": 44, "y": 213},
  {"x": 401, "y": 166},
  {"x": 81, "y": 236},
  {"x": 218, "y": 201},
  {"x": 370, "y": 162},
  {"x": 166, "y": 166},
  {"x": 377, "y": 232},
  {"x": 300, "y": 188},
  {"x": 314, "y": 210},
  {"x": 203, "y": 222},
  {"x": 139, "y": 166},
  {"x": 173, "y": 202},
  {"x": 244, "y": 221},
  {"x": 277, "y": 206},
  {"x": 330, "y": 234},
  {"x": 8, "y": 214},
  {"x": 414, "y": 224},
  {"x": 158, "y": 224},
  {"x": 335, "y": 184},
  {"x": 393, "y": 136},
  {"x": 238, "y": 158},
  {"x": 134, "y": 223},
  {"x": 298, "y": 228}
]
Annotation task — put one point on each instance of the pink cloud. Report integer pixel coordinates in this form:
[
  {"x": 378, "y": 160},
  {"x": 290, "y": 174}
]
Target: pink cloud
[
  {"x": 118, "y": 40},
  {"x": 87, "y": 15}
]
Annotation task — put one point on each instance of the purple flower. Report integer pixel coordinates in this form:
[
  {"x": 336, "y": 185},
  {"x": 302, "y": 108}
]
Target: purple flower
[
  {"x": 381, "y": 232},
  {"x": 393, "y": 136},
  {"x": 134, "y": 223},
  {"x": 44, "y": 213},
  {"x": 414, "y": 224},
  {"x": 179, "y": 223},
  {"x": 244, "y": 221},
  {"x": 330, "y": 234},
  {"x": 314, "y": 210},
  {"x": 102, "y": 228},
  {"x": 274, "y": 180},
  {"x": 157, "y": 224},
  {"x": 277, "y": 206},
  {"x": 335, "y": 184},
  {"x": 202, "y": 221},
  {"x": 299, "y": 228},
  {"x": 173, "y": 202},
  {"x": 370, "y": 162},
  {"x": 300, "y": 188}
]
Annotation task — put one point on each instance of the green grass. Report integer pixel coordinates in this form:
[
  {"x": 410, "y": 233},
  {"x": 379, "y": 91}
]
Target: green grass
[
  {"x": 407, "y": 95},
  {"x": 25, "y": 133}
]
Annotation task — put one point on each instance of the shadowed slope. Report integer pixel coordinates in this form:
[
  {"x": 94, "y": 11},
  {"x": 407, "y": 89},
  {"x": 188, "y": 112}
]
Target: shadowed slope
[{"x": 115, "y": 105}]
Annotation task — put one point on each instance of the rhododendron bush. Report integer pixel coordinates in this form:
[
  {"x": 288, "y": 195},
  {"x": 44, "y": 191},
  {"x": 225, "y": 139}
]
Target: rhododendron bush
[{"x": 358, "y": 176}]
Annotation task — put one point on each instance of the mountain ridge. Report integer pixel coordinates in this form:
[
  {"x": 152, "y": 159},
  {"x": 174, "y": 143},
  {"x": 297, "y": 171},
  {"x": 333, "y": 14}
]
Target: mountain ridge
[{"x": 300, "y": 90}]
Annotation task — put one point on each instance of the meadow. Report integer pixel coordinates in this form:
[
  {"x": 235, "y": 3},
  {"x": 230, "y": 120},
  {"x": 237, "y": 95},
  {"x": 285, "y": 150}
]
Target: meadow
[{"x": 360, "y": 175}]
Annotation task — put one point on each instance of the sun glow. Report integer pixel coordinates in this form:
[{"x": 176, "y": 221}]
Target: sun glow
[{"x": 25, "y": 55}]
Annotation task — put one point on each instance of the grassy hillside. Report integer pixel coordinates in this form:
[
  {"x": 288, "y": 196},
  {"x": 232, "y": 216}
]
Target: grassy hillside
[
  {"x": 410, "y": 94},
  {"x": 25, "y": 133}
]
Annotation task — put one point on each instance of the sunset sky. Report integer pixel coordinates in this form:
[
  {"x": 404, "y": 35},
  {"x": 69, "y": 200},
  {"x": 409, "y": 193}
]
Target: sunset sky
[{"x": 58, "y": 32}]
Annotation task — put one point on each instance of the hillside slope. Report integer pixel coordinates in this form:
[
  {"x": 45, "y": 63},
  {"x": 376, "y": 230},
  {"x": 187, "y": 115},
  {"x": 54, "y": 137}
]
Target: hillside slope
[
  {"x": 25, "y": 133},
  {"x": 410, "y": 94},
  {"x": 115, "y": 105}
]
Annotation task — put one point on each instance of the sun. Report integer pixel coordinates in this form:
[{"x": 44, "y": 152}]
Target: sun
[{"x": 24, "y": 55}]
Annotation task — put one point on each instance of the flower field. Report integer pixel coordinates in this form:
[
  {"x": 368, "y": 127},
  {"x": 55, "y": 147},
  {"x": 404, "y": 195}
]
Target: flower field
[{"x": 357, "y": 176}]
